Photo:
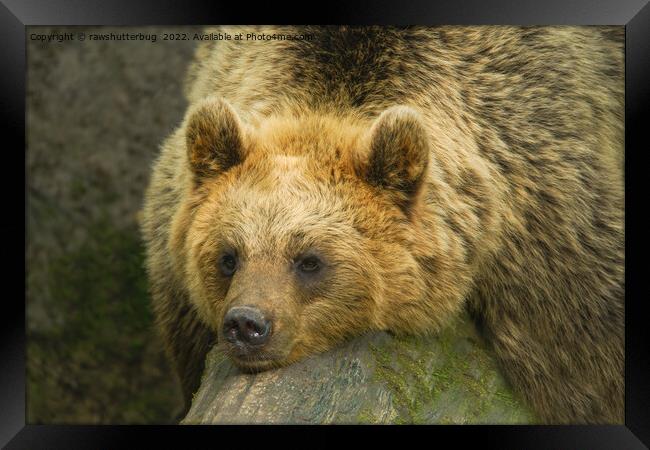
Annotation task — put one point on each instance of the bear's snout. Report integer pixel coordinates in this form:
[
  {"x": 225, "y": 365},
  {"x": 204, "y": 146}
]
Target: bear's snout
[{"x": 246, "y": 326}]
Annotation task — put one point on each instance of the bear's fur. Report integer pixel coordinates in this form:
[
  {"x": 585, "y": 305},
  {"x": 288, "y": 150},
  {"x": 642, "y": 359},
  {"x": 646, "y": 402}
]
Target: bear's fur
[{"x": 430, "y": 170}]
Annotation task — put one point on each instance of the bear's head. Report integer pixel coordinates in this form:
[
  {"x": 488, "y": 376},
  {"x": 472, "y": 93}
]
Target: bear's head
[{"x": 296, "y": 230}]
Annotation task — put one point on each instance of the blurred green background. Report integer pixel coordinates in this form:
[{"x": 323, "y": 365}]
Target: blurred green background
[{"x": 96, "y": 115}]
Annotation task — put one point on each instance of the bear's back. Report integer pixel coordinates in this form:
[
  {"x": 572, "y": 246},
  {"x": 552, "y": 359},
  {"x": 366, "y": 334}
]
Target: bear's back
[{"x": 504, "y": 73}]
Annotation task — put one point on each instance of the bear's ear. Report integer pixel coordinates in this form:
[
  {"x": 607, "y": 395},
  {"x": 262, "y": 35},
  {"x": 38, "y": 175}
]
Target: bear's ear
[
  {"x": 215, "y": 138},
  {"x": 398, "y": 154}
]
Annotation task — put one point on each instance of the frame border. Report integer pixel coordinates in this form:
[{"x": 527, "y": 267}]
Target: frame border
[{"x": 15, "y": 15}]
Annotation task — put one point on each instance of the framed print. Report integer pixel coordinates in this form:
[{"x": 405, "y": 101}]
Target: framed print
[{"x": 422, "y": 214}]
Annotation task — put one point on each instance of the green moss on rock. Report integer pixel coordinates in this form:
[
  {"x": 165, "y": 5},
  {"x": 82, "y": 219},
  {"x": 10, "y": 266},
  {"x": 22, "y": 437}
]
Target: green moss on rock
[
  {"x": 103, "y": 360},
  {"x": 448, "y": 378}
]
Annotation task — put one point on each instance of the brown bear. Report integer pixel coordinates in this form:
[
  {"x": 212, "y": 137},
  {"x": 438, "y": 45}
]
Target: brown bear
[{"x": 329, "y": 181}]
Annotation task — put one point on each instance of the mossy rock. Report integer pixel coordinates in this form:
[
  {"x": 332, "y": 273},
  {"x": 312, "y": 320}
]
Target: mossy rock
[
  {"x": 101, "y": 361},
  {"x": 450, "y": 378}
]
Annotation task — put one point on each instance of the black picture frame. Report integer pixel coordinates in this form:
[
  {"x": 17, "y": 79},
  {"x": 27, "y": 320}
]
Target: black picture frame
[{"x": 15, "y": 15}]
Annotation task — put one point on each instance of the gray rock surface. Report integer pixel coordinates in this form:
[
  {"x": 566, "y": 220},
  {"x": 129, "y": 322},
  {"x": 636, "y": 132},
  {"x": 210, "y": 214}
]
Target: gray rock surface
[
  {"x": 96, "y": 113},
  {"x": 380, "y": 379}
]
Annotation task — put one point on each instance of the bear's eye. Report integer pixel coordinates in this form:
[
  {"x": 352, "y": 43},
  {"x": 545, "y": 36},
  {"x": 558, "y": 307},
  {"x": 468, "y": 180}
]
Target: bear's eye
[
  {"x": 228, "y": 264},
  {"x": 310, "y": 264}
]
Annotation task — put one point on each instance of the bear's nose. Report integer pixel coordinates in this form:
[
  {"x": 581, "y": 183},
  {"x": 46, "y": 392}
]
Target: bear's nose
[{"x": 246, "y": 325}]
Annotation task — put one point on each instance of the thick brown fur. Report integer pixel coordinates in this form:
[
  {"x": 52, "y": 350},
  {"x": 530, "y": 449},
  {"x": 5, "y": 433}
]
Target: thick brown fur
[{"x": 433, "y": 169}]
